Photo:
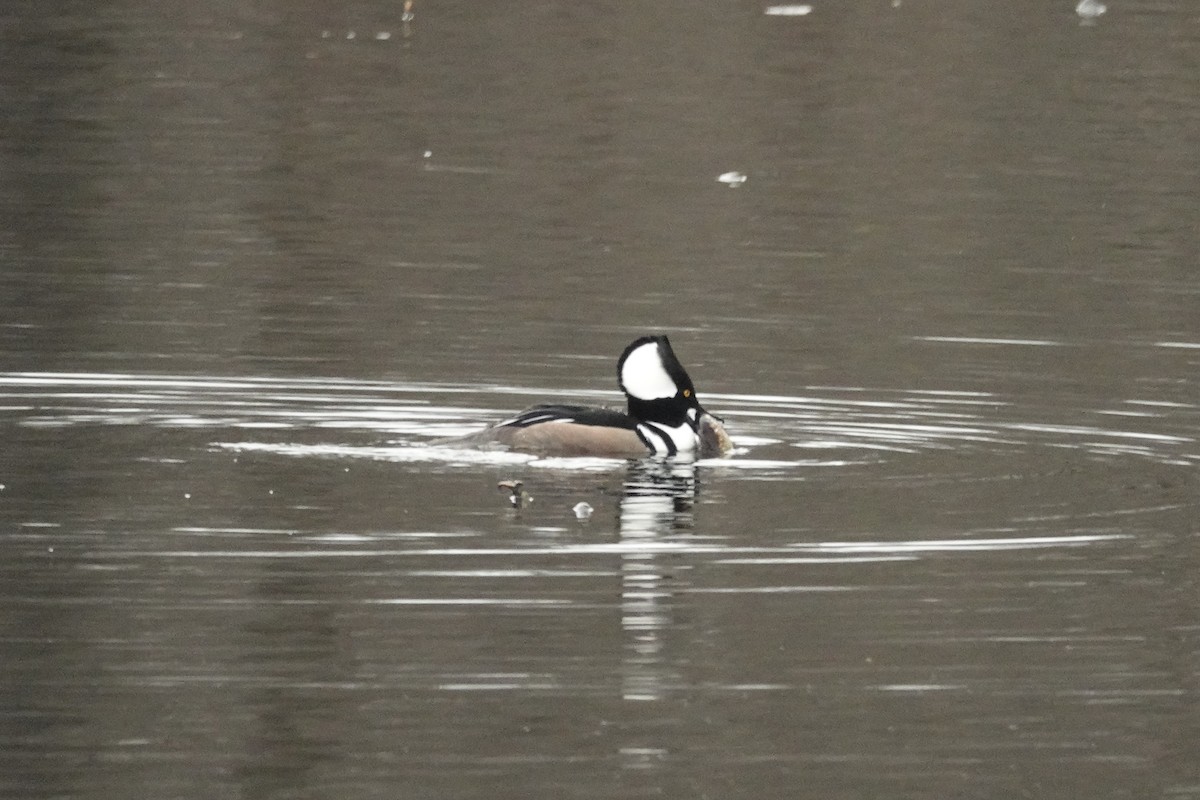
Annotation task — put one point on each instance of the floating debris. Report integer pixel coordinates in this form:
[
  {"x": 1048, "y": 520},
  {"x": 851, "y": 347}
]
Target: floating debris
[
  {"x": 517, "y": 494},
  {"x": 582, "y": 510},
  {"x": 788, "y": 11},
  {"x": 1089, "y": 10},
  {"x": 731, "y": 178}
]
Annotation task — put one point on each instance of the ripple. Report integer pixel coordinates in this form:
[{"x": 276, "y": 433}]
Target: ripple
[
  {"x": 716, "y": 552},
  {"x": 397, "y": 421}
]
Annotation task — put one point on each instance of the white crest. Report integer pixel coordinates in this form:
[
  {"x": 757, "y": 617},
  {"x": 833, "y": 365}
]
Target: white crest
[{"x": 644, "y": 376}]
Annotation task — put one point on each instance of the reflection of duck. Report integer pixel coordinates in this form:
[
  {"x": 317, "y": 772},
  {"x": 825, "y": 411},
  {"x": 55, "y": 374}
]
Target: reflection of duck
[
  {"x": 664, "y": 417},
  {"x": 656, "y": 506},
  {"x": 657, "y": 498}
]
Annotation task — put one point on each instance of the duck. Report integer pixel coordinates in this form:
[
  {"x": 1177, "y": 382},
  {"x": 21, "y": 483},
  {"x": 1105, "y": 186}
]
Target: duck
[{"x": 662, "y": 417}]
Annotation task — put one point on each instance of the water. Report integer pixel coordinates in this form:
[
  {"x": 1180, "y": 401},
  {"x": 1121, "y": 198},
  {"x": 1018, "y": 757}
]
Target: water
[{"x": 255, "y": 261}]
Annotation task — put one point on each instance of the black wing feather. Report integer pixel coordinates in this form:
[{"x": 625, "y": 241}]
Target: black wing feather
[{"x": 580, "y": 415}]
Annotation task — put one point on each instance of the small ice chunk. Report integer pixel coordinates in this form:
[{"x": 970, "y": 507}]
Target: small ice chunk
[
  {"x": 383, "y": 36},
  {"x": 1090, "y": 9},
  {"x": 731, "y": 178},
  {"x": 796, "y": 10},
  {"x": 582, "y": 510}
]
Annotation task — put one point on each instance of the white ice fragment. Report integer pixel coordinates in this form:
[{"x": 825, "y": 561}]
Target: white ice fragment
[
  {"x": 1090, "y": 9},
  {"x": 797, "y": 10},
  {"x": 582, "y": 510},
  {"x": 383, "y": 36},
  {"x": 731, "y": 178}
]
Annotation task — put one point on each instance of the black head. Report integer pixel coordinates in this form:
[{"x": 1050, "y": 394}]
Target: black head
[{"x": 656, "y": 385}]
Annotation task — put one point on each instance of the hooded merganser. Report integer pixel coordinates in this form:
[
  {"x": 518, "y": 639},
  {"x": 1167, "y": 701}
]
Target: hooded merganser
[{"x": 664, "y": 418}]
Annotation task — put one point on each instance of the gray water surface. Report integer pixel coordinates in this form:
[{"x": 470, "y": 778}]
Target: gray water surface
[{"x": 256, "y": 260}]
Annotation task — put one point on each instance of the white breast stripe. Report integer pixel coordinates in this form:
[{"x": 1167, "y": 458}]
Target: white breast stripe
[
  {"x": 654, "y": 438},
  {"x": 682, "y": 439}
]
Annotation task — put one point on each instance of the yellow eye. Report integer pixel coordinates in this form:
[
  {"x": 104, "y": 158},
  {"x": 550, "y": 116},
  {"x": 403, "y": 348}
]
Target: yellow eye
[{"x": 687, "y": 392}]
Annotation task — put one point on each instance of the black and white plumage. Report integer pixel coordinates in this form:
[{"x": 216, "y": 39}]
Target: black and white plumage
[{"x": 663, "y": 416}]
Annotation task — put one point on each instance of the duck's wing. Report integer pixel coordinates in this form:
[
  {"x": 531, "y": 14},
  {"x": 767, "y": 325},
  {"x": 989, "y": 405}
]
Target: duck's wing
[{"x": 576, "y": 415}]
